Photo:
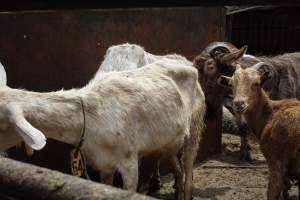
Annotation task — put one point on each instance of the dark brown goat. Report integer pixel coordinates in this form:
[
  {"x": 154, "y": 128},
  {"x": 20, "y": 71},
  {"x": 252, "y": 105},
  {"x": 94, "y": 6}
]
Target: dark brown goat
[
  {"x": 210, "y": 69},
  {"x": 276, "y": 124}
]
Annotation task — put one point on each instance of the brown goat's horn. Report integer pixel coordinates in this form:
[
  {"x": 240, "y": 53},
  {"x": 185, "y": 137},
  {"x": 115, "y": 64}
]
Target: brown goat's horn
[
  {"x": 264, "y": 70},
  {"x": 232, "y": 56},
  {"x": 262, "y": 67},
  {"x": 223, "y": 47}
]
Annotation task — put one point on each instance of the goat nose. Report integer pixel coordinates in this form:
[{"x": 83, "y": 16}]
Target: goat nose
[{"x": 239, "y": 106}]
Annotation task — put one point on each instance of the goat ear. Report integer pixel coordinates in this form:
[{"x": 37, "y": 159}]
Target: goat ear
[
  {"x": 229, "y": 58},
  {"x": 199, "y": 61},
  {"x": 225, "y": 81},
  {"x": 34, "y": 138},
  {"x": 3, "y": 80},
  {"x": 265, "y": 72}
]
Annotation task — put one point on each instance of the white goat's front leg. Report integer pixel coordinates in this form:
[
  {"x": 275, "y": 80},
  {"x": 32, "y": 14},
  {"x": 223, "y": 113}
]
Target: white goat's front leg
[
  {"x": 178, "y": 175},
  {"x": 275, "y": 185},
  {"x": 128, "y": 168}
]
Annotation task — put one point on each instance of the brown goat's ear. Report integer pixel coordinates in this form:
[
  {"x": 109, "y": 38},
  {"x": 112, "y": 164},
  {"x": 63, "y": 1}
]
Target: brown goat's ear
[
  {"x": 229, "y": 58},
  {"x": 225, "y": 81},
  {"x": 199, "y": 61},
  {"x": 265, "y": 72},
  {"x": 264, "y": 77}
]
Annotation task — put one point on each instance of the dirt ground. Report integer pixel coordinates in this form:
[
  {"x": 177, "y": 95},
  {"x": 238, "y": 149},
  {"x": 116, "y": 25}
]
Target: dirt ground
[{"x": 225, "y": 177}]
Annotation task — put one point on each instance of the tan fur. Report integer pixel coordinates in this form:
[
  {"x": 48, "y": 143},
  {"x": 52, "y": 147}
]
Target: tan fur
[{"x": 276, "y": 124}]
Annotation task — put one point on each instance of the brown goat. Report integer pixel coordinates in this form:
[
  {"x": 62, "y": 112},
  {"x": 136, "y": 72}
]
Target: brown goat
[
  {"x": 276, "y": 124},
  {"x": 222, "y": 58},
  {"x": 210, "y": 69}
]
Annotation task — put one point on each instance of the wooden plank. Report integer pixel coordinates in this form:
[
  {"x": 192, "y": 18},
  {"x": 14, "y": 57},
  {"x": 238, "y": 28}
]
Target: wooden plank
[
  {"x": 7, "y": 5},
  {"x": 19, "y": 180}
]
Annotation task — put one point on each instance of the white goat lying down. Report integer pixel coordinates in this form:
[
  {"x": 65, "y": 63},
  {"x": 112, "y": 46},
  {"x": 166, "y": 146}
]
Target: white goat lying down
[{"x": 128, "y": 115}]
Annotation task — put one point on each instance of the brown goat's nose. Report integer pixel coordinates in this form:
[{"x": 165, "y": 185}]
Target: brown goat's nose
[{"x": 239, "y": 106}]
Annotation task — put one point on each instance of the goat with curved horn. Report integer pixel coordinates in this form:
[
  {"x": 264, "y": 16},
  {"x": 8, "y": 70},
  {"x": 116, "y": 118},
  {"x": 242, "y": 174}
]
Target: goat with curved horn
[{"x": 217, "y": 59}]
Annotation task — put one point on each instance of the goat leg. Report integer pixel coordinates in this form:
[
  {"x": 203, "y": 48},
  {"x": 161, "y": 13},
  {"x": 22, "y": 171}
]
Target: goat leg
[
  {"x": 245, "y": 147},
  {"x": 189, "y": 157},
  {"x": 128, "y": 168},
  {"x": 155, "y": 183},
  {"x": 178, "y": 175},
  {"x": 276, "y": 183}
]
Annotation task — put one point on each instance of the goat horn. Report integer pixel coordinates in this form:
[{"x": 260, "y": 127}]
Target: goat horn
[{"x": 224, "y": 47}]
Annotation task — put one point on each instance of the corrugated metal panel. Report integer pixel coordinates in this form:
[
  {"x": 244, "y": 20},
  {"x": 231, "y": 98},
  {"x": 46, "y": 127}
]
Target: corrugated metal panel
[
  {"x": 92, "y": 4},
  {"x": 271, "y": 31}
]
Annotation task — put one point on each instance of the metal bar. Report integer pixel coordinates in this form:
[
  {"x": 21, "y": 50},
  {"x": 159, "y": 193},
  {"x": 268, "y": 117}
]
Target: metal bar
[{"x": 7, "y": 5}]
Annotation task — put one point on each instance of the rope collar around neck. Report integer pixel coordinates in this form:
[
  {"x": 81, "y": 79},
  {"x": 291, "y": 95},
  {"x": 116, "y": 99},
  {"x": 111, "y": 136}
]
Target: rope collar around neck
[
  {"x": 77, "y": 149},
  {"x": 83, "y": 127}
]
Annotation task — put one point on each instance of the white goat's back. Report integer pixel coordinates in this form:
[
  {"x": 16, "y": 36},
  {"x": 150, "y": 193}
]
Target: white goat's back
[
  {"x": 131, "y": 56},
  {"x": 122, "y": 57},
  {"x": 151, "y": 107}
]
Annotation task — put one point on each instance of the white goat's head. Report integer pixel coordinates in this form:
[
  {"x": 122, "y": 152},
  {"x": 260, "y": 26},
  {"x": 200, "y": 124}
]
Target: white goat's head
[{"x": 13, "y": 122}]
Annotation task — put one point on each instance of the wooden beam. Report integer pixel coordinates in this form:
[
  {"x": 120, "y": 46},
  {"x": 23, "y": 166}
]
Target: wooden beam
[
  {"x": 19, "y": 5},
  {"x": 19, "y": 180}
]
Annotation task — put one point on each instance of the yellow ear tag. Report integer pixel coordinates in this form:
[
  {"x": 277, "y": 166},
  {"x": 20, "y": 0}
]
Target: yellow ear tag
[{"x": 77, "y": 167}]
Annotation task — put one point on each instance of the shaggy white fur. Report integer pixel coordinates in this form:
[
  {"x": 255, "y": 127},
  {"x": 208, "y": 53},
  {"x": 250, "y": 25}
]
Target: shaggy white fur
[{"x": 128, "y": 115}]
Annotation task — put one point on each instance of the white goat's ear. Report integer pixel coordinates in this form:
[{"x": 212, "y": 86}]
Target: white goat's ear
[
  {"x": 34, "y": 138},
  {"x": 31, "y": 136},
  {"x": 3, "y": 80}
]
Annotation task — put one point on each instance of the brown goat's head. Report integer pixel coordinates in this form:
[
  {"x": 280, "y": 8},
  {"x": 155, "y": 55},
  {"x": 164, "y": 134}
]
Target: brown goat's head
[
  {"x": 217, "y": 59},
  {"x": 247, "y": 85}
]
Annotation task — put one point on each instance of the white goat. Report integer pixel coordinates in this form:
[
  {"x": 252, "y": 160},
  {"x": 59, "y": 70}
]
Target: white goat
[
  {"x": 130, "y": 57},
  {"x": 128, "y": 115}
]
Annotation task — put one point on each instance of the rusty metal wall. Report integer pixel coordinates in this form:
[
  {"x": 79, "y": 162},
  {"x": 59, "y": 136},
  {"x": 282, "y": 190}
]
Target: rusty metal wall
[
  {"x": 48, "y": 50},
  {"x": 83, "y": 4}
]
